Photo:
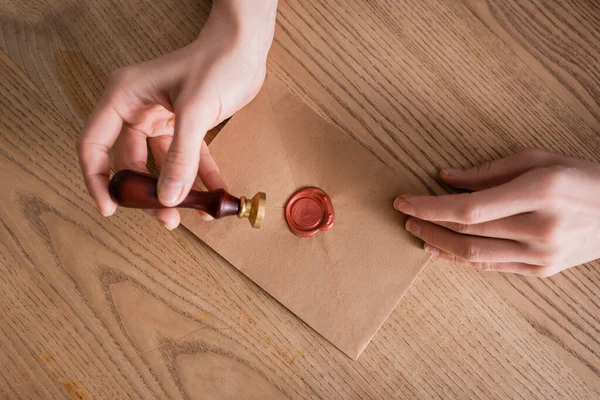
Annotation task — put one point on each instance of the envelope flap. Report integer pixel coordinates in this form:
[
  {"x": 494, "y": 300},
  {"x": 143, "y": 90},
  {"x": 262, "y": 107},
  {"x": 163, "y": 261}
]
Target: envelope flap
[{"x": 252, "y": 154}]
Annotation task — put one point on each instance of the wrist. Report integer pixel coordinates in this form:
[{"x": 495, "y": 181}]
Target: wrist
[
  {"x": 241, "y": 12},
  {"x": 249, "y": 24}
]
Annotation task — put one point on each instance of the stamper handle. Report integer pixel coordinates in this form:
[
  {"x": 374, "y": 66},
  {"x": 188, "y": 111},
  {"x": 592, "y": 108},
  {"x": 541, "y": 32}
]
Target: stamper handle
[{"x": 137, "y": 190}]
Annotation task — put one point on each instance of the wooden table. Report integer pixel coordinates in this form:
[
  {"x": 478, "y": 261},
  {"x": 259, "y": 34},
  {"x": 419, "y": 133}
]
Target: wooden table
[{"x": 114, "y": 308}]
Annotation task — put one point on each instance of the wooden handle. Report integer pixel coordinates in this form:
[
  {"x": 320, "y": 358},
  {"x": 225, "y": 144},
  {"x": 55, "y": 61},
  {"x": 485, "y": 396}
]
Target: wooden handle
[{"x": 137, "y": 190}]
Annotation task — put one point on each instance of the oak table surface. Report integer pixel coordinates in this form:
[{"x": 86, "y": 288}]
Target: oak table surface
[{"x": 121, "y": 308}]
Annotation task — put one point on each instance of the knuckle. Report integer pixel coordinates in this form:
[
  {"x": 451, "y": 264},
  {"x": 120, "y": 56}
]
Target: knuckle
[
  {"x": 547, "y": 271},
  {"x": 137, "y": 165},
  {"x": 470, "y": 252},
  {"x": 485, "y": 266},
  {"x": 427, "y": 214},
  {"x": 554, "y": 180},
  {"x": 551, "y": 233},
  {"x": 552, "y": 239},
  {"x": 553, "y": 202},
  {"x": 419, "y": 210},
  {"x": 484, "y": 167},
  {"x": 449, "y": 256},
  {"x": 178, "y": 158},
  {"x": 427, "y": 234},
  {"x": 551, "y": 256},
  {"x": 461, "y": 228},
  {"x": 533, "y": 153},
  {"x": 470, "y": 214}
]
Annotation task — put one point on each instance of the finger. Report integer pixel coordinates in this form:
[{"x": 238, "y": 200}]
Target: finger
[
  {"x": 159, "y": 146},
  {"x": 472, "y": 248},
  {"x": 212, "y": 180},
  {"x": 99, "y": 134},
  {"x": 521, "y": 227},
  {"x": 509, "y": 267},
  {"x": 209, "y": 174},
  {"x": 131, "y": 150},
  {"x": 208, "y": 171},
  {"x": 168, "y": 217},
  {"x": 523, "y": 194},
  {"x": 180, "y": 166},
  {"x": 498, "y": 172}
]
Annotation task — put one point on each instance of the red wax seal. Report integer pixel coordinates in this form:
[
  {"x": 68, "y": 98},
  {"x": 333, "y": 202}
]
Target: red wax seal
[{"x": 308, "y": 211}]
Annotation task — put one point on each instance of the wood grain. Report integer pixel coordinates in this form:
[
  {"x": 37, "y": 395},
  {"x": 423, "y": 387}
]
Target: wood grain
[
  {"x": 94, "y": 307},
  {"x": 558, "y": 40}
]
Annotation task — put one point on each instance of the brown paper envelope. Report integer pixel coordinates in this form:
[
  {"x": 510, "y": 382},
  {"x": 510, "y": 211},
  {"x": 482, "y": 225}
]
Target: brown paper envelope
[{"x": 343, "y": 282}]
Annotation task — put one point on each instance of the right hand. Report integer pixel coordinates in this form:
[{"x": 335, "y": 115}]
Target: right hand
[{"x": 169, "y": 103}]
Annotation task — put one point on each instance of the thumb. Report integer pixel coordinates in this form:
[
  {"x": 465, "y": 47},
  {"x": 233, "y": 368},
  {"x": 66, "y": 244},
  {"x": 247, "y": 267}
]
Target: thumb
[
  {"x": 494, "y": 173},
  {"x": 180, "y": 165}
]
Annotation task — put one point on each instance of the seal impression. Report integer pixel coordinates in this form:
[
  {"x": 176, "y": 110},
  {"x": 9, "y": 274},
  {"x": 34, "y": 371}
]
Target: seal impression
[{"x": 308, "y": 211}]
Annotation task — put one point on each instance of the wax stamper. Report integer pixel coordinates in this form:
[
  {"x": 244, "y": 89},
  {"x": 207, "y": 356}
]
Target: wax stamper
[
  {"x": 138, "y": 190},
  {"x": 308, "y": 211}
]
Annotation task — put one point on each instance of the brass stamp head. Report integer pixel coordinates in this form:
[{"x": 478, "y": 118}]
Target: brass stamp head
[{"x": 253, "y": 209}]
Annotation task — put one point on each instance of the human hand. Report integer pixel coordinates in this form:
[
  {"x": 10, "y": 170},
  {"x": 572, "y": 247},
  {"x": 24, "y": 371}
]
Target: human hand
[
  {"x": 533, "y": 213},
  {"x": 170, "y": 102}
]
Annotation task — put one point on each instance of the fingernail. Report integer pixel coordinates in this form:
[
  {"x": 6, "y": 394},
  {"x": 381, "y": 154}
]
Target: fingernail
[
  {"x": 431, "y": 250},
  {"x": 170, "y": 190},
  {"x": 167, "y": 225},
  {"x": 206, "y": 217},
  {"x": 404, "y": 206},
  {"x": 449, "y": 172},
  {"x": 107, "y": 211},
  {"x": 413, "y": 226}
]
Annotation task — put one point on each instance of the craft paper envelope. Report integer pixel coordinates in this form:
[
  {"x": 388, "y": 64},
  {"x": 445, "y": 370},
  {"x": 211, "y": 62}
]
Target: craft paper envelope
[{"x": 343, "y": 282}]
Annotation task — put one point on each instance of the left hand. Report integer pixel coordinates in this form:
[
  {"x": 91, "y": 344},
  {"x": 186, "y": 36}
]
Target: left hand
[{"x": 532, "y": 213}]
